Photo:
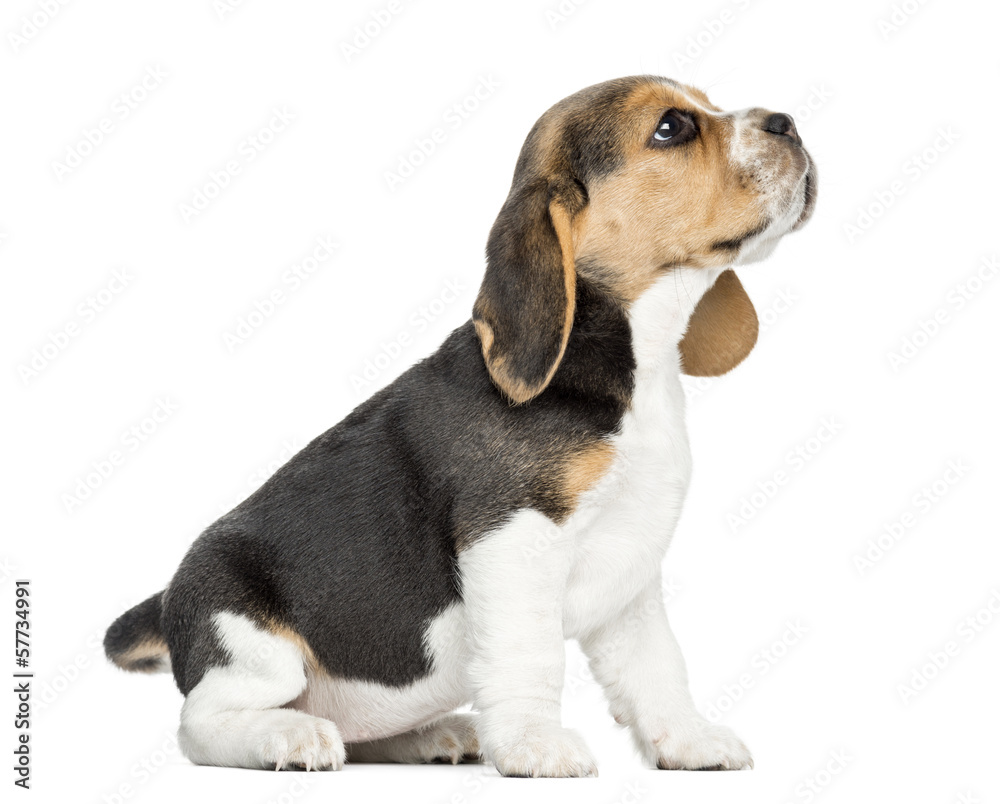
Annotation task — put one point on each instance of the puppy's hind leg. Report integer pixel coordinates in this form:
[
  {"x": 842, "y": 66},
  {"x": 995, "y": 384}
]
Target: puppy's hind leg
[
  {"x": 450, "y": 739},
  {"x": 234, "y": 716}
]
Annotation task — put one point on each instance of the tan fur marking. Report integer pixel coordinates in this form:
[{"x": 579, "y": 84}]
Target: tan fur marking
[
  {"x": 583, "y": 469},
  {"x": 485, "y": 333},
  {"x": 548, "y": 141},
  {"x": 691, "y": 204},
  {"x": 563, "y": 224},
  {"x": 136, "y": 658},
  {"x": 664, "y": 207},
  {"x": 297, "y": 640},
  {"x": 515, "y": 390}
]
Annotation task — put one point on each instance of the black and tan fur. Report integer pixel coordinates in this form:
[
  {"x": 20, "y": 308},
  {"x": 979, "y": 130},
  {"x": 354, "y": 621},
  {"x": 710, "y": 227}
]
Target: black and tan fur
[{"x": 351, "y": 546}]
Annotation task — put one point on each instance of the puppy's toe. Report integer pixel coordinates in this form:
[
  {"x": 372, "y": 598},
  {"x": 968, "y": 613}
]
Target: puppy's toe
[
  {"x": 544, "y": 751},
  {"x": 451, "y": 740},
  {"x": 700, "y": 745},
  {"x": 311, "y": 745}
]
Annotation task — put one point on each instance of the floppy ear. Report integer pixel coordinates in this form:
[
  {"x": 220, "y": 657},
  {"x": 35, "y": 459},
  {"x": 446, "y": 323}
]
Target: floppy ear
[
  {"x": 524, "y": 312},
  {"x": 722, "y": 329}
]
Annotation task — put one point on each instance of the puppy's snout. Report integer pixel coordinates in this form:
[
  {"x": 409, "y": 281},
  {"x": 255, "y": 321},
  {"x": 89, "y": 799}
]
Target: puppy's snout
[{"x": 782, "y": 125}]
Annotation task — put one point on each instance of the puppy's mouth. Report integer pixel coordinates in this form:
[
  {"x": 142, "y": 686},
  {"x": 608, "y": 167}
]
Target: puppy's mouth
[
  {"x": 775, "y": 225},
  {"x": 794, "y": 211},
  {"x": 791, "y": 207},
  {"x": 809, "y": 187}
]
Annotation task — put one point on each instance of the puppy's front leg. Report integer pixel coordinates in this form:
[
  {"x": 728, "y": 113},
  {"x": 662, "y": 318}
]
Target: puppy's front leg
[
  {"x": 637, "y": 660},
  {"x": 513, "y": 582}
]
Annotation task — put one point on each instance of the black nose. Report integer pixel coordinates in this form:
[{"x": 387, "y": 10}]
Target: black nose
[{"x": 782, "y": 124}]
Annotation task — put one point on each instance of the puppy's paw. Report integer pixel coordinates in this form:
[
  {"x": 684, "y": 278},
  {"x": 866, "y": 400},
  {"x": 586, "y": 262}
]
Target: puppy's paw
[
  {"x": 451, "y": 739},
  {"x": 700, "y": 745},
  {"x": 543, "y": 751},
  {"x": 311, "y": 744}
]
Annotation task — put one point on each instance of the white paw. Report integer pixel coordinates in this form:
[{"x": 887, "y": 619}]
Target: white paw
[
  {"x": 700, "y": 745},
  {"x": 312, "y": 744},
  {"x": 451, "y": 739},
  {"x": 543, "y": 751}
]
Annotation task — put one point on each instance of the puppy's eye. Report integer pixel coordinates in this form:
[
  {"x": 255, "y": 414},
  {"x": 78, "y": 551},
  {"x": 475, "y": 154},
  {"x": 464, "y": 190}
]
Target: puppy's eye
[
  {"x": 669, "y": 127},
  {"x": 674, "y": 128}
]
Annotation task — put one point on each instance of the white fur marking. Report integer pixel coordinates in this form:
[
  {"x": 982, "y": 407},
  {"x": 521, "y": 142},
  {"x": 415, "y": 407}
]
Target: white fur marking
[
  {"x": 512, "y": 583},
  {"x": 526, "y": 587},
  {"x": 366, "y": 711},
  {"x": 623, "y": 525},
  {"x": 781, "y": 187},
  {"x": 233, "y": 717}
]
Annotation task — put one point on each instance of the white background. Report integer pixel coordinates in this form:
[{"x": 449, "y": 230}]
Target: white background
[{"x": 899, "y": 109}]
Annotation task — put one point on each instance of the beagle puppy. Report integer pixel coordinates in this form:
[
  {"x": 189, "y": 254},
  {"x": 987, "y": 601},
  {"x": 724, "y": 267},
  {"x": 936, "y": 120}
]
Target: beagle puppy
[{"x": 517, "y": 488}]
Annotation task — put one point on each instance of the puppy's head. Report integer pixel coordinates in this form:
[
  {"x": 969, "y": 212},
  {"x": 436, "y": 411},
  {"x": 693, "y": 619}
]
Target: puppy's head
[{"x": 621, "y": 183}]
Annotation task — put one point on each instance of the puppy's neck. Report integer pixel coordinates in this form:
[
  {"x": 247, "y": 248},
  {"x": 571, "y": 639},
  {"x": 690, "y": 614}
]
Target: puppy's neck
[
  {"x": 611, "y": 340},
  {"x": 659, "y": 317}
]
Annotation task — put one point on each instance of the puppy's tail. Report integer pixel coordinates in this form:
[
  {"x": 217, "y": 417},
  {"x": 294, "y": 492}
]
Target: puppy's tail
[{"x": 135, "y": 640}]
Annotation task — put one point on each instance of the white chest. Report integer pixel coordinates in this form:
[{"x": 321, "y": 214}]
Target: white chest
[{"x": 624, "y": 524}]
